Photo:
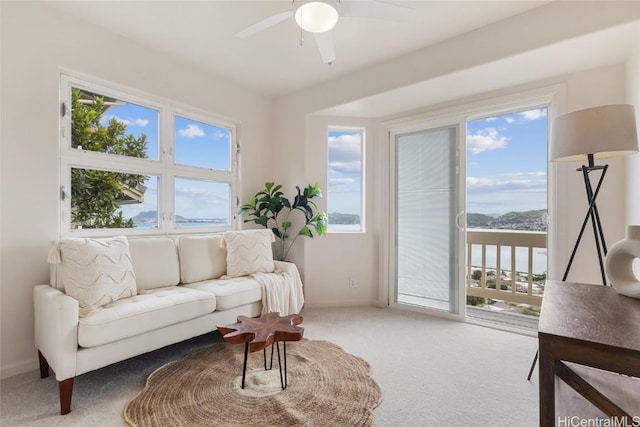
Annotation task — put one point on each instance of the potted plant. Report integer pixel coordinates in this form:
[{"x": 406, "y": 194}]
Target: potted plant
[{"x": 270, "y": 209}]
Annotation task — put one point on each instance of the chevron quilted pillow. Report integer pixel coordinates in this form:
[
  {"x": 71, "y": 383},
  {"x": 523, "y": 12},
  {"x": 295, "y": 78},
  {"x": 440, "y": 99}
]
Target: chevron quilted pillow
[
  {"x": 95, "y": 272},
  {"x": 248, "y": 252}
]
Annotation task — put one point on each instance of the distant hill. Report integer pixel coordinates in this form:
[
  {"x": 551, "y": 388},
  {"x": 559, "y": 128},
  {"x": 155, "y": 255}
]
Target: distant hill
[
  {"x": 535, "y": 220},
  {"x": 342, "y": 218},
  {"x": 476, "y": 220},
  {"x": 152, "y": 216}
]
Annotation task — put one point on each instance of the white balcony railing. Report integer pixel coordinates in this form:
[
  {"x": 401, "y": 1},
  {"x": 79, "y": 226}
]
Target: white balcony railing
[{"x": 500, "y": 281}]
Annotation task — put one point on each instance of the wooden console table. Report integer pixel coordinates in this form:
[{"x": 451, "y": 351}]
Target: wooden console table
[{"x": 590, "y": 325}]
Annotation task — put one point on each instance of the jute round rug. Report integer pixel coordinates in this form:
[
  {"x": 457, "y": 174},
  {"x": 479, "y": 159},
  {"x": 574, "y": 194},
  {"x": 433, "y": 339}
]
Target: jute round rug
[{"x": 327, "y": 387}]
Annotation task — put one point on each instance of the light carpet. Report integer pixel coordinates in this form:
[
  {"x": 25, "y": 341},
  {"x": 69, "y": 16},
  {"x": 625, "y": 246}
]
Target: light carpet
[
  {"x": 432, "y": 372},
  {"x": 326, "y": 387}
]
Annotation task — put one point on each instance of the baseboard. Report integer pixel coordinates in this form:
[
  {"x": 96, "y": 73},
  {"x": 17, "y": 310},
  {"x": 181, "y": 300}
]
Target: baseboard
[
  {"x": 19, "y": 368},
  {"x": 328, "y": 304}
]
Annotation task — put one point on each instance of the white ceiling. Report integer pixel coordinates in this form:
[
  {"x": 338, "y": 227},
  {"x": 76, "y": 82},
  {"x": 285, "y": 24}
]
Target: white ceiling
[{"x": 273, "y": 62}]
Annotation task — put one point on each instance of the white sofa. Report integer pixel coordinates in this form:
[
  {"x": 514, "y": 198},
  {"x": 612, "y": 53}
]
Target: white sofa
[{"x": 180, "y": 295}]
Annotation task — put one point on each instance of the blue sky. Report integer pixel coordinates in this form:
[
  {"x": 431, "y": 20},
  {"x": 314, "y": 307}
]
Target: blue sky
[
  {"x": 507, "y": 163},
  {"x": 196, "y": 144}
]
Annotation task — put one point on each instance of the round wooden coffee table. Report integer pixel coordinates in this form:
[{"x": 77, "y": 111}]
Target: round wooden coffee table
[{"x": 257, "y": 333}]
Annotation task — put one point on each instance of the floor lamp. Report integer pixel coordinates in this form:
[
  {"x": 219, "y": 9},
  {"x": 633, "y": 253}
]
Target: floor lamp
[{"x": 588, "y": 135}]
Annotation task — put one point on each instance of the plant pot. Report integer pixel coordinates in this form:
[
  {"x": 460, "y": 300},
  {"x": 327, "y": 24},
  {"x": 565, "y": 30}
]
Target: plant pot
[{"x": 619, "y": 263}]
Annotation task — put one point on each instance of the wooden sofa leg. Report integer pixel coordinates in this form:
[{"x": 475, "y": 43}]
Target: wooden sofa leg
[
  {"x": 44, "y": 366},
  {"x": 66, "y": 390}
]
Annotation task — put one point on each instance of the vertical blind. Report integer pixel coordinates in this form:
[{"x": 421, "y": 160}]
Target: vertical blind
[{"x": 425, "y": 216}]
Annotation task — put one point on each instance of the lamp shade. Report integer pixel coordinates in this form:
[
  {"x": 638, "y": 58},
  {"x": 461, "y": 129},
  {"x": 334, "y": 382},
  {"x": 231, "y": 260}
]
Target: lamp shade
[
  {"x": 606, "y": 131},
  {"x": 316, "y": 16}
]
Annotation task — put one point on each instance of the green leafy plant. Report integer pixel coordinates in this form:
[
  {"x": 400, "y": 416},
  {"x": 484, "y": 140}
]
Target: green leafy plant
[
  {"x": 270, "y": 209},
  {"x": 96, "y": 195}
]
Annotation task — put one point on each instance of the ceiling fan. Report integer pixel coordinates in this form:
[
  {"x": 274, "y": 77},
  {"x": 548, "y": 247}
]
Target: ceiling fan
[{"x": 320, "y": 16}]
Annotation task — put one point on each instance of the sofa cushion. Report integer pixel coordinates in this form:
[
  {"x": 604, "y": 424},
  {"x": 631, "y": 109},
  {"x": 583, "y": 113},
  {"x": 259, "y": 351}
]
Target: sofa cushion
[
  {"x": 249, "y": 251},
  {"x": 201, "y": 258},
  {"x": 155, "y": 262},
  {"x": 143, "y": 313},
  {"x": 95, "y": 271},
  {"x": 231, "y": 292}
]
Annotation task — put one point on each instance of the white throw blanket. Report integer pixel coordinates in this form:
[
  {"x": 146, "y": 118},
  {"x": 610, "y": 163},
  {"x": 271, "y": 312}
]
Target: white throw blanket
[{"x": 281, "y": 292}]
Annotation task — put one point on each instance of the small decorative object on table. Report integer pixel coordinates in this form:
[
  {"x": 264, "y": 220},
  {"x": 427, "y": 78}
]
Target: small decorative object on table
[
  {"x": 260, "y": 332},
  {"x": 619, "y": 263}
]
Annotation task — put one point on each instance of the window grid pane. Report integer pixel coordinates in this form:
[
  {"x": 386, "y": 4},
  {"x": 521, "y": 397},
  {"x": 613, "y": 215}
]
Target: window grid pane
[
  {"x": 109, "y": 125},
  {"x": 106, "y": 199},
  {"x": 202, "y": 145},
  {"x": 201, "y": 203}
]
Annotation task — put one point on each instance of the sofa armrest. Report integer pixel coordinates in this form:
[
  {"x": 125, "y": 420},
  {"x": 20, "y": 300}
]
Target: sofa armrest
[
  {"x": 291, "y": 269},
  {"x": 56, "y": 329}
]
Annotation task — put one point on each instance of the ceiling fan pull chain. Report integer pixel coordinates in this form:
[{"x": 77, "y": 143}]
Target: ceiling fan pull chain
[
  {"x": 301, "y": 42},
  {"x": 301, "y": 37}
]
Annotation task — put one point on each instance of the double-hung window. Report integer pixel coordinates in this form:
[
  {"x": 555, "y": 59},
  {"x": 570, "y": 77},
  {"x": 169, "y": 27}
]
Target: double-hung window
[{"x": 141, "y": 165}]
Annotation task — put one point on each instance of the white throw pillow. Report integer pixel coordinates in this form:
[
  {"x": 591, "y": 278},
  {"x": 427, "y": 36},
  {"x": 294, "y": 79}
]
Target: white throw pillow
[
  {"x": 248, "y": 252},
  {"x": 96, "y": 271}
]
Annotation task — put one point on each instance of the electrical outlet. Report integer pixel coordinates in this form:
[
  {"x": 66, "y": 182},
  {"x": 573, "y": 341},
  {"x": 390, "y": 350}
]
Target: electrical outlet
[{"x": 352, "y": 282}]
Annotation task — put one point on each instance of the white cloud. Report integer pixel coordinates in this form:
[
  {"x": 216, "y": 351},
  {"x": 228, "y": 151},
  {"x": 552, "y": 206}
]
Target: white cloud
[
  {"x": 484, "y": 140},
  {"x": 343, "y": 185},
  {"x": 519, "y": 175},
  {"x": 510, "y": 120},
  {"x": 345, "y": 167},
  {"x": 129, "y": 121},
  {"x": 201, "y": 202},
  {"x": 475, "y": 182},
  {"x": 191, "y": 131},
  {"x": 341, "y": 181},
  {"x": 516, "y": 182},
  {"x": 194, "y": 193},
  {"x": 345, "y": 153},
  {"x": 140, "y": 122},
  {"x": 534, "y": 114}
]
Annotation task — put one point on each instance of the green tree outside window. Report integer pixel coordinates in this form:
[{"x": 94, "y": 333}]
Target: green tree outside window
[{"x": 96, "y": 195}]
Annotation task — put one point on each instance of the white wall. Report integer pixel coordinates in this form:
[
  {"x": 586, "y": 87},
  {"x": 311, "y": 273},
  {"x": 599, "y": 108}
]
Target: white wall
[
  {"x": 633, "y": 162},
  {"x": 36, "y": 41}
]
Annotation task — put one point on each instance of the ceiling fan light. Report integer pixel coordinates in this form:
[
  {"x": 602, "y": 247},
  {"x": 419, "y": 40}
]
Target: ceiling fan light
[{"x": 316, "y": 16}]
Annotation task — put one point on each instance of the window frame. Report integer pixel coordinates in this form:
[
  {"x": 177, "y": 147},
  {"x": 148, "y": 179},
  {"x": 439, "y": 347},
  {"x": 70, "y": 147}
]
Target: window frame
[
  {"x": 362, "y": 131},
  {"x": 165, "y": 167}
]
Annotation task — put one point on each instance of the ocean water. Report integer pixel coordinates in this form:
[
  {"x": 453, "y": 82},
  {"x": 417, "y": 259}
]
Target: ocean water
[
  {"x": 522, "y": 259},
  {"x": 187, "y": 224}
]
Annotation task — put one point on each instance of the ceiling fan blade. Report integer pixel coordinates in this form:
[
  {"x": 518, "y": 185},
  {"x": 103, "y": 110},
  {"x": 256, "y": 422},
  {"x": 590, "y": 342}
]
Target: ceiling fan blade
[
  {"x": 376, "y": 10},
  {"x": 264, "y": 24},
  {"x": 325, "y": 46}
]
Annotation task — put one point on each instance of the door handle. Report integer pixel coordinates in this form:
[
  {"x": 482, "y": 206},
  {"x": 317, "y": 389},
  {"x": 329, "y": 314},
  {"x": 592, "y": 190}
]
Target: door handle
[{"x": 458, "y": 217}]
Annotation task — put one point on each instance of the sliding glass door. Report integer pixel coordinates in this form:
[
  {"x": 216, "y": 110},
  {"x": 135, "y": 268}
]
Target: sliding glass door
[{"x": 426, "y": 199}]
